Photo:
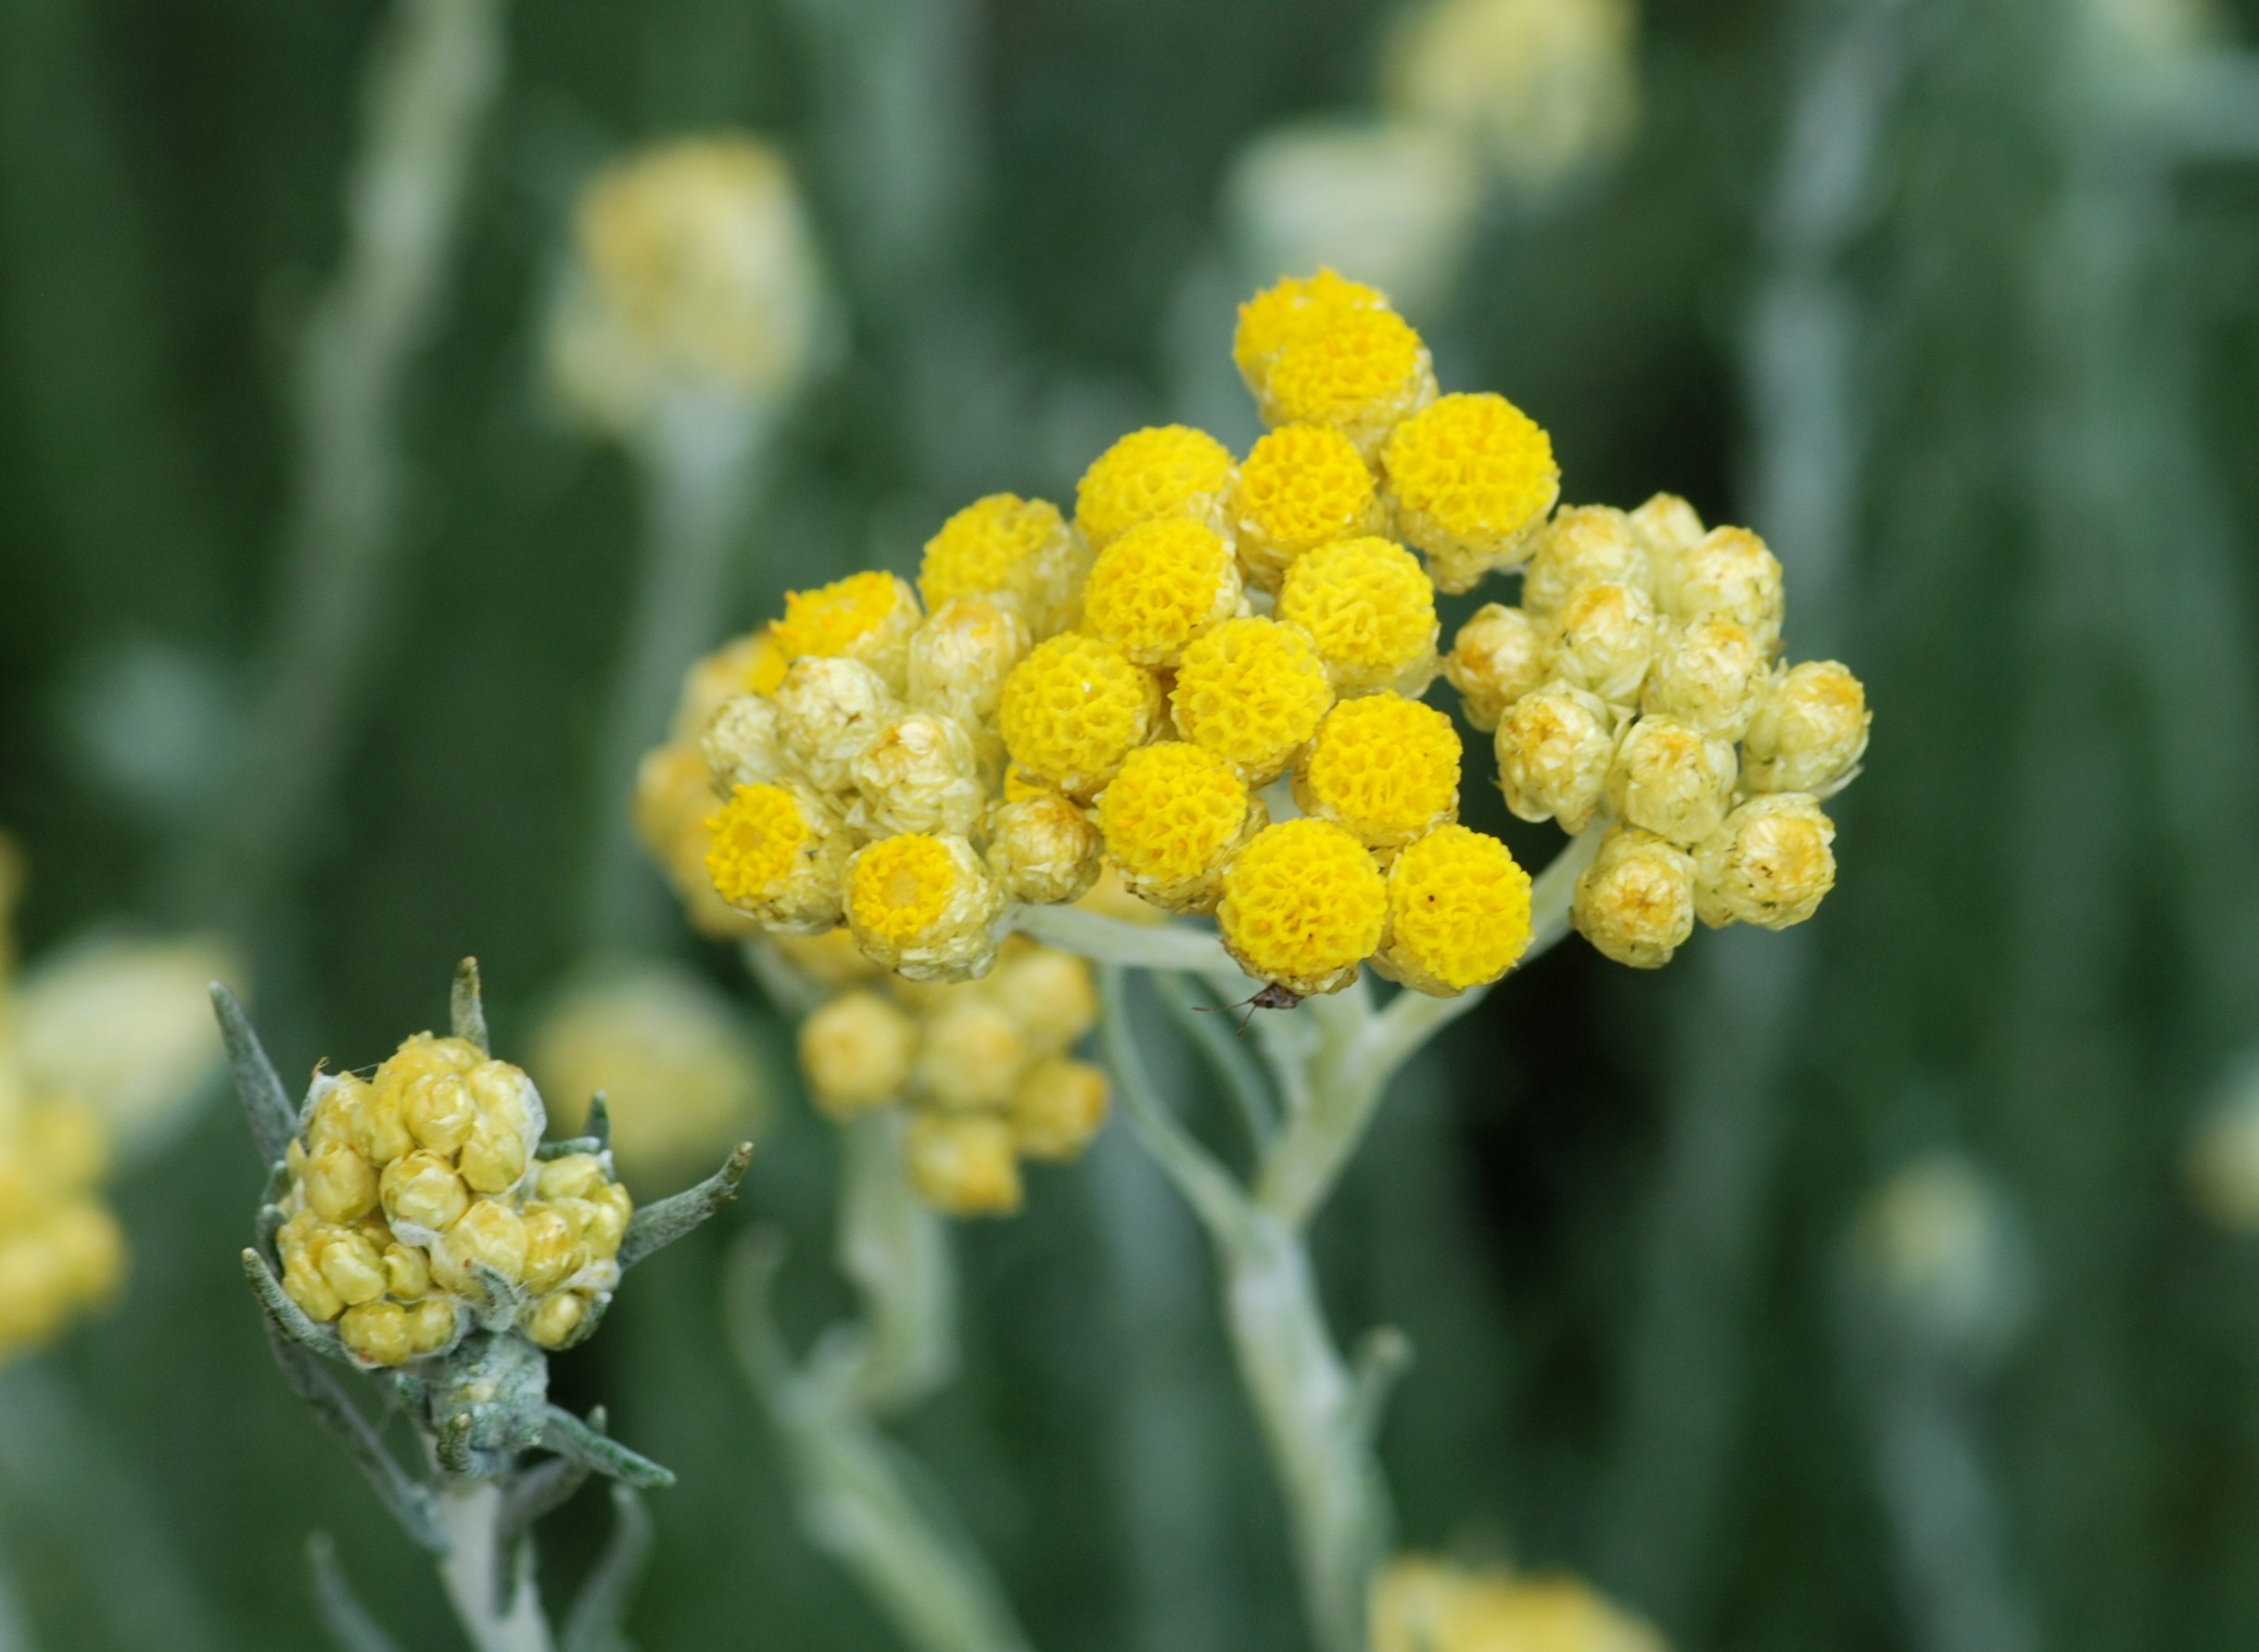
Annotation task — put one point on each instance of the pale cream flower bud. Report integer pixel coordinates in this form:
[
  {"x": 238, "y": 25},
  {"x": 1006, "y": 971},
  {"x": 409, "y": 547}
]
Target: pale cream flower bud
[
  {"x": 1048, "y": 992},
  {"x": 1043, "y": 850},
  {"x": 1635, "y": 903},
  {"x": 1728, "y": 574},
  {"x": 1671, "y": 781},
  {"x": 1583, "y": 545},
  {"x": 1603, "y": 640},
  {"x": 743, "y": 745},
  {"x": 1669, "y": 526},
  {"x": 1057, "y": 1108},
  {"x": 1809, "y": 731},
  {"x": 1708, "y": 676},
  {"x": 828, "y": 713},
  {"x": 857, "y": 1052},
  {"x": 1771, "y": 863},
  {"x": 960, "y": 657},
  {"x": 1555, "y": 748},
  {"x": 964, "y": 1163},
  {"x": 973, "y": 1055},
  {"x": 921, "y": 774},
  {"x": 1498, "y": 657}
]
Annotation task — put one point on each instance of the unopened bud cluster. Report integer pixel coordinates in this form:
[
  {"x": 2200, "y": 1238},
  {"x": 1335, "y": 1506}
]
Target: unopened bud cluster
[
  {"x": 417, "y": 1205},
  {"x": 983, "y": 1067},
  {"x": 1429, "y": 1606}
]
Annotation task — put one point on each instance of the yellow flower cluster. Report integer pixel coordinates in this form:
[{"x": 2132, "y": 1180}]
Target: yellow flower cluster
[
  {"x": 982, "y": 1066},
  {"x": 413, "y": 1190},
  {"x": 60, "y": 1249},
  {"x": 1426, "y": 1606}
]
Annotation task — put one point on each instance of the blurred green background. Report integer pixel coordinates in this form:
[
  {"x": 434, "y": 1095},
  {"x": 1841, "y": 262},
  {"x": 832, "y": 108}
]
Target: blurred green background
[{"x": 1956, "y": 300}]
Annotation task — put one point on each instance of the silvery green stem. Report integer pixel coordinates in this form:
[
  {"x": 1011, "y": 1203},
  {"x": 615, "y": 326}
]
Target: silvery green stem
[
  {"x": 470, "y": 1512},
  {"x": 1115, "y": 941},
  {"x": 896, "y": 1248}
]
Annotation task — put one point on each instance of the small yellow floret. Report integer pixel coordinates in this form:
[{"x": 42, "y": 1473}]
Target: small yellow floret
[
  {"x": 1809, "y": 731},
  {"x": 902, "y": 887},
  {"x": 1469, "y": 477},
  {"x": 868, "y": 616},
  {"x": 1635, "y": 903},
  {"x": 1301, "y": 485},
  {"x": 1294, "y": 308},
  {"x": 1303, "y": 906},
  {"x": 1171, "y": 817},
  {"x": 1370, "y": 609},
  {"x": 1252, "y": 690},
  {"x": 1362, "y": 375},
  {"x": 1043, "y": 850},
  {"x": 1006, "y": 546},
  {"x": 758, "y": 837},
  {"x": 1498, "y": 656},
  {"x": 1157, "y": 585},
  {"x": 1170, "y": 470},
  {"x": 857, "y": 1052},
  {"x": 1383, "y": 768},
  {"x": 1458, "y": 912},
  {"x": 1074, "y": 709},
  {"x": 1771, "y": 863},
  {"x": 922, "y": 905}
]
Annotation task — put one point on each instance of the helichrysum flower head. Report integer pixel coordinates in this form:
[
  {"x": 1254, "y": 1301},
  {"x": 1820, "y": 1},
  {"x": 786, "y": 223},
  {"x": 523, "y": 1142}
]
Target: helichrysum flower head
[
  {"x": 1050, "y": 993},
  {"x": 778, "y": 854},
  {"x": 673, "y": 804},
  {"x": 1554, "y": 749},
  {"x": 964, "y": 1164},
  {"x": 1018, "y": 552},
  {"x": 1153, "y": 475},
  {"x": 1810, "y": 730},
  {"x": 1290, "y": 313},
  {"x": 1635, "y": 903},
  {"x": 868, "y": 617},
  {"x": 1469, "y": 479},
  {"x": 1371, "y": 611},
  {"x": 960, "y": 657},
  {"x": 743, "y": 743},
  {"x": 1383, "y": 768},
  {"x": 1042, "y": 849},
  {"x": 1670, "y": 780},
  {"x": 1303, "y": 906},
  {"x": 1668, "y": 527},
  {"x": 1498, "y": 656},
  {"x": 1252, "y": 691},
  {"x": 828, "y": 713},
  {"x": 61, "y": 1252},
  {"x": 971, "y": 1053},
  {"x": 1728, "y": 574},
  {"x": 1710, "y": 676},
  {"x": 1426, "y": 1606},
  {"x": 1458, "y": 912},
  {"x": 1058, "y": 1107},
  {"x": 921, "y": 774},
  {"x": 1363, "y": 375},
  {"x": 1770, "y": 863},
  {"x": 1300, "y": 486},
  {"x": 856, "y": 1051},
  {"x": 1172, "y": 818},
  {"x": 924, "y": 905},
  {"x": 1157, "y": 585},
  {"x": 1585, "y": 545},
  {"x": 1603, "y": 640},
  {"x": 1074, "y": 708}
]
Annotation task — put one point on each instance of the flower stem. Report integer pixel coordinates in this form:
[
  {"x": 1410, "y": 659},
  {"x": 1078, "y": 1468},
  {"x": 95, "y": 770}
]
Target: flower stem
[
  {"x": 496, "y": 1620},
  {"x": 896, "y": 1250}
]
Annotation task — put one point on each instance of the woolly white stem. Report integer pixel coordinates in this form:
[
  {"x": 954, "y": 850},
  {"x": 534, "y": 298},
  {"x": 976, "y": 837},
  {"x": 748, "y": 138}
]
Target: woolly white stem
[{"x": 470, "y": 1511}]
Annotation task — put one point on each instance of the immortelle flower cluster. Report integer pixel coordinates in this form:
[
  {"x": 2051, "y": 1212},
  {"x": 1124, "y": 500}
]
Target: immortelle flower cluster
[{"x": 1421, "y": 1604}]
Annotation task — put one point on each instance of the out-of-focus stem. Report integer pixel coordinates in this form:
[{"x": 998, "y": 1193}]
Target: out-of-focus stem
[
  {"x": 495, "y": 1617},
  {"x": 896, "y": 1248}
]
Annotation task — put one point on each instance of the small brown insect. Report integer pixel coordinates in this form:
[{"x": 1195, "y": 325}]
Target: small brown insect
[{"x": 1271, "y": 997}]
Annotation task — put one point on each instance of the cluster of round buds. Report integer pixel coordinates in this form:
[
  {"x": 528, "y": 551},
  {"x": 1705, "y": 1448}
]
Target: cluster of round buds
[
  {"x": 1639, "y": 682},
  {"x": 984, "y": 1067},
  {"x": 418, "y": 1203},
  {"x": 1420, "y": 1605}
]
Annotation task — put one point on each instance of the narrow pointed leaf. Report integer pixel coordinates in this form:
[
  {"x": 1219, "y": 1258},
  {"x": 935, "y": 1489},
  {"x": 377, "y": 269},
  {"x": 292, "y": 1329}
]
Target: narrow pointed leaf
[
  {"x": 350, "y": 1624},
  {"x": 467, "y": 1007},
  {"x": 284, "y": 1316},
  {"x": 598, "y": 1452},
  {"x": 655, "y": 1226},
  {"x": 266, "y": 1105}
]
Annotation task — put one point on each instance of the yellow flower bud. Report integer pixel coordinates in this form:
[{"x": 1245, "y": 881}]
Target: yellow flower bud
[
  {"x": 674, "y": 799},
  {"x": 1158, "y": 585},
  {"x": 340, "y": 1185},
  {"x": 334, "y": 1118},
  {"x": 422, "y": 1191},
  {"x": 1371, "y": 611},
  {"x": 440, "y": 1112},
  {"x": 961, "y": 656},
  {"x": 553, "y": 1251},
  {"x": 749, "y": 664},
  {"x": 1770, "y": 863},
  {"x": 1364, "y": 375},
  {"x": 1303, "y": 906},
  {"x": 1074, "y": 709},
  {"x": 1635, "y": 903},
  {"x": 1809, "y": 731},
  {"x": 963, "y": 1163},
  {"x": 1302, "y": 487},
  {"x": 1383, "y": 768},
  {"x": 1290, "y": 313},
  {"x": 921, "y": 774},
  {"x": 1498, "y": 656},
  {"x": 1554, "y": 749},
  {"x": 573, "y": 1175},
  {"x": 489, "y": 1234},
  {"x": 1043, "y": 850},
  {"x": 828, "y": 713},
  {"x": 924, "y": 907},
  {"x": 1010, "y": 550},
  {"x": 778, "y": 854},
  {"x": 352, "y": 1267},
  {"x": 303, "y": 1283},
  {"x": 1669, "y": 526},
  {"x": 857, "y": 1052},
  {"x": 1458, "y": 912},
  {"x": 972, "y": 1054},
  {"x": 1670, "y": 781},
  {"x": 1728, "y": 575},
  {"x": 557, "y": 1319},
  {"x": 495, "y": 1157},
  {"x": 1252, "y": 691},
  {"x": 432, "y": 1325},
  {"x": 1469, "y": 479},
  {"x": 407, "y": 1272},
  {"x": 1048, "y": 992},
  {"x": 1170, "y": 818},
  {"x": 869, "y": 617},
  {"x": 1425, "y": 1605},
  {"x": 378, "y": 1333},
  {"x": 1151, "y": 475},
  {"x": 1584, "y": 545},
  {"x": 1708, "y": 676},
  {"x": 1057, "y": 1108},
  {"x": 1603, "y": 640},
  {"x": 742, "y": 745}
]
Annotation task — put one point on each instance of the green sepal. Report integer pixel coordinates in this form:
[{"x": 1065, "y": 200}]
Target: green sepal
[
  {"x": 266, "y": 1106},
  {"x": 598, "y": 1619},
  {"x": 655, "y": 1226},
  {"x": 350, "y": 1624}
]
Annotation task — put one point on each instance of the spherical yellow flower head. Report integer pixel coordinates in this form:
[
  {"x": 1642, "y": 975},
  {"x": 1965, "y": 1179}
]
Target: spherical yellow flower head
[
  {"x": 828, "y": 713},
  {"x": 1303, "y": 906},
  {"x": 1384, "y": 769},
  {"x": 1498, "y": 656},
  {"x": 1667, "y": 527},
  {"x": 1363, "y": 375},
  {"x": 973, "y": 1055},
  {"x": 1728, "y": 574},
  {"x": 1670, "y": 780},
  {"x": 1584, "y": 545},
  {"x": 1294, "y": 308},
  {"x": 1170, "y": 818},
  {"x": 752, "y": 664},
  {"x": 921, "y": 774},
  {"x": 61, "y": 1252},
  {"x": 1470, "y": 478},
  {"x": 1554, "y": 749},
  {"x": 1301, "y": 485},
  {"x": 1151, "y": 475},
  {"x": 1603, "y": 640},
  {"x": 742, "y": 745},
  {"x": 964, "y": 1164},
  {"x": 673, "y": 802},
  {"x": 923, "y": 907},
  {"x": 868, "y": 616},
  {"x": 683, "y": 1080},
  {"x": 1049, "y": 994},
  {"x": 1809, "y": 731},
  {"x": 1252, "y": 691},
  {"x": 1770, "y": 863},
  {"x": 1058, "y": 1106},
  {"x": 857, "y": 1052},
  {"x": 1708, "y": 676},
  {"x": 1370, "y": 609},
  {"x": 1156, "y": 587},
  {"x": 960, "y": 657},
  {"x": 1017, "y": 552},
  {"x": 1635, "y": 903},
  {"x": 1458, "y": 912},
  {"x": 778, "y": 854},
  {"x": 1043, "y": 850},
  {"x": 1074, "y": 709}
]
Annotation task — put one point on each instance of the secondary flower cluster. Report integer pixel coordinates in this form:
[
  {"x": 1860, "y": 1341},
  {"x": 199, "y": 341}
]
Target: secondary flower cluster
[
  {"x": 413, "y": 1193},
  {"x": 983, "y": 1067},
  {"x": 1427, "y": 1606}
]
